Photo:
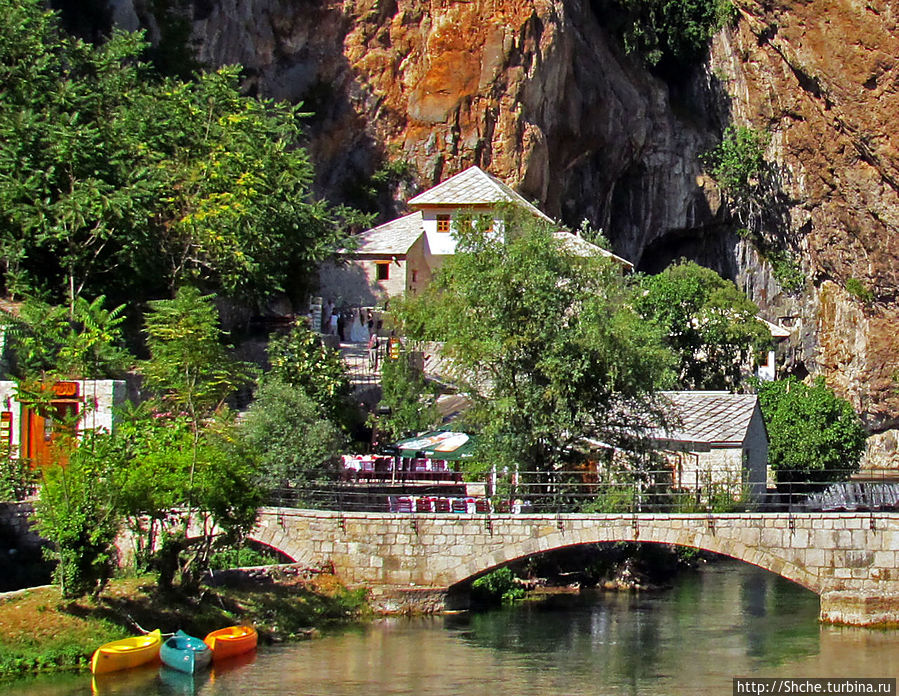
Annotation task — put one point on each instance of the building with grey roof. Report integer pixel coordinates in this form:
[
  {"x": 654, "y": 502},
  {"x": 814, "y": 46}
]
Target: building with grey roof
[
  {"x": 402, "y": 255},
  {"x": 714, "y": 440}
]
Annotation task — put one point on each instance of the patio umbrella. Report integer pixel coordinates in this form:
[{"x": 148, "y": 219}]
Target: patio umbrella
[{"x": 439, "y": 444}]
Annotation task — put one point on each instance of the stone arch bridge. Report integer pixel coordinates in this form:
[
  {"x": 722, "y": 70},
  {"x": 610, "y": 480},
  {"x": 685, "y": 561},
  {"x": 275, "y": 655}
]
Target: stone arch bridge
[{"x": 850, "y": 559}]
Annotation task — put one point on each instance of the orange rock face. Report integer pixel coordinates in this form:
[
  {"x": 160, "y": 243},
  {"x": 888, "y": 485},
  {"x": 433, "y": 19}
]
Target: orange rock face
[
  {"x": 538, "y": 93},
  {"x": 822, "y": 78}
]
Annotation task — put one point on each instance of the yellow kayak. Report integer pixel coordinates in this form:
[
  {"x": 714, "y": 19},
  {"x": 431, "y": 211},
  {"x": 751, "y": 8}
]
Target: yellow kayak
[{"x": 126, "y": 653}]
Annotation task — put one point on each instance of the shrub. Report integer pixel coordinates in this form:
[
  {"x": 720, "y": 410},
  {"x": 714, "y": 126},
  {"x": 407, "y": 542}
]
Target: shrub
[
  {"x": 815, "y": 436},
  {"x": 673, "y": 31},
  {"x": 497, "y": 587}
]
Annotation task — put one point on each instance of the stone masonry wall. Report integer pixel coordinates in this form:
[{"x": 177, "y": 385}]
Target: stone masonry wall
[{"x": 850, "y": 559}]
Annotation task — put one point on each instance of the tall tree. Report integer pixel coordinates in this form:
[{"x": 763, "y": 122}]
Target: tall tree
[
  {"x": 192, "y": 373},
  {"x": 709, "y": 324},
  {"x": 300, "y": 359},
  {"x": 546, "y": 342},
  {"x": 115, "y": 181},
  {"x": 815, "y": 436}
]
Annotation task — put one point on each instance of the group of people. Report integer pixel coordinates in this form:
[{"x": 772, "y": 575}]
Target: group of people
[{"x": 353, "y": 325}]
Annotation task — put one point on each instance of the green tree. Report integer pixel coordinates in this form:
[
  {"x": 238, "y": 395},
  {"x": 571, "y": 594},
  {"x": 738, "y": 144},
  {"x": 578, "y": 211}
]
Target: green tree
[
  {"x": 189, "y": 366},
  {"x": 292, "y": 439},
  {"x": 546, "y": 343},
  {"x": 162, "y": 470},
  {"x": 77, "y": 513},
  {"x": 708, "y": 323},
  {"x": 114, "y": 181},
  {"x": 300, "y": 359},
  {"x": 55, "y": 342},
  {"x": 814, "y": 436},
  {"x": 192, "y": 374},
  {"x": 409, "y": 398}
]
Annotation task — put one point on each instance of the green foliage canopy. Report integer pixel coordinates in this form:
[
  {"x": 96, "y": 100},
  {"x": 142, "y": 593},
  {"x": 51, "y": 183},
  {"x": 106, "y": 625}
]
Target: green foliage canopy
[
  {"x": 291, "y": 438},
  {"x": 677, "y": 31},
  {"x": 814, "y": 436},
  {"x": 408, "y": 396},
  {"x": 56, "y": 342},
  {"x": 546, "y": 343},
  {"x": 114, "y": 181},
  {"x": 737, "y": 163},
  {"x": 709, "y": 324}
]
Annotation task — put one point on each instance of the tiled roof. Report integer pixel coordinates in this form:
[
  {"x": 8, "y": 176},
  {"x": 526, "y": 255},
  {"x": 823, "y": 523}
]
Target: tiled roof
[
  {"x": 394, "y": 237},
  {"x": 473, "y": 186},
  {"x": 710, "y": 417},
  {"x": 581, "y": 247},
  {"x": 775, "y": 330}
]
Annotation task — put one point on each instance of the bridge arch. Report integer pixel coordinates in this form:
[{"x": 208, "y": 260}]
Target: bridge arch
[
  {"x": 762, "y": 558},
  {"x": 850, "y": 559}
]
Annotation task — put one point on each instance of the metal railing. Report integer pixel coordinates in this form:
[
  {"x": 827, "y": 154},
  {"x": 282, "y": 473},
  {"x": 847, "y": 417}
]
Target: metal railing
[{"x": 573, "y": 492}]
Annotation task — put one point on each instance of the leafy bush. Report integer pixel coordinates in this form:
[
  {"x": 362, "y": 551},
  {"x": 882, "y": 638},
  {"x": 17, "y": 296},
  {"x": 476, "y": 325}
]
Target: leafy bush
[
  {"x": 612, "y": 499},
  {"x": 737, "y": 163},
  {"x": 242, "y": 557},
  {"x": 78, "y": 513},
  {"x": 301, "y": 360},
  {"x": 17, "y": 478},
  {"x": 497, "y": 587},
  {"x": 291, "y": 436},
  {"x": 814, "y": 435},
  {"x": 674, "y": 31},
  {"x": 859, "y": 290}
]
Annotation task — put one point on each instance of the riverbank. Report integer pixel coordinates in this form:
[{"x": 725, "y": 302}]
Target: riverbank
[{"x": 40, "y": 632}]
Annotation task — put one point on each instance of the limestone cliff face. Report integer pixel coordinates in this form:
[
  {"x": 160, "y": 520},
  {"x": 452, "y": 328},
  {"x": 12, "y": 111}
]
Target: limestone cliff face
[
  {"x": 821, "y": 77},
  {"x": 538, "y": 93}
]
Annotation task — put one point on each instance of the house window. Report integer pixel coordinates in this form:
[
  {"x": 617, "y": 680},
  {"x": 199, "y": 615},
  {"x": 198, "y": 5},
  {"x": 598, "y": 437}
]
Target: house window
[
  {"x": 383, "y": 271},
  {"x": 414, "y": 276},
  {"x": 443, "y": 223}
]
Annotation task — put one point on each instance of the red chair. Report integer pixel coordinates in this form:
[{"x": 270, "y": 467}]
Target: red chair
[
  {"x": 482, "y": 505},
  {"x": 441, "y": 505}
]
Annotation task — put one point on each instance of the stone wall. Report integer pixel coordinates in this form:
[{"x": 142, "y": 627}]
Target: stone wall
[{"x": 850, "y": 559}]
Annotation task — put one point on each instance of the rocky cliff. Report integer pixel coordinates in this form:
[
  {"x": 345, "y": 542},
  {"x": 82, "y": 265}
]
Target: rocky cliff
[{"x": 542, "y": 95}]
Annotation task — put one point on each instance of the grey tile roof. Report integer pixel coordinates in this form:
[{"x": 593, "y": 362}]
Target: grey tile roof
[
  {"x": 581, "y": 247},
  {"x": 472, "y": 186},
  {"x": 394, "y": 237},
  {"x": 710, "y": 417}
]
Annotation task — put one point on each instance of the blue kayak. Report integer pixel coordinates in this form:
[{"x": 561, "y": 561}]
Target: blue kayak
[{"x": 185, "y": 653}]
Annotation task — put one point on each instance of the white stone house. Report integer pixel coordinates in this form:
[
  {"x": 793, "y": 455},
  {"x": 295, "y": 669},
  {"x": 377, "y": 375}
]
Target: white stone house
[
  {"x": 715, "y": 440},
  {"x": 32, "y": 435},
  {"x": 401, "y": 256}
]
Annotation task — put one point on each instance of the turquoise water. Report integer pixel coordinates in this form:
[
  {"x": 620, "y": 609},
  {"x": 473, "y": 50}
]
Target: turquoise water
[{"x": 727, "y": 620}]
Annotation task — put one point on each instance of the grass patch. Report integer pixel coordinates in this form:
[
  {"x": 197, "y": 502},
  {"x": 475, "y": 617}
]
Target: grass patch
[{"x": 39, "y": 632}]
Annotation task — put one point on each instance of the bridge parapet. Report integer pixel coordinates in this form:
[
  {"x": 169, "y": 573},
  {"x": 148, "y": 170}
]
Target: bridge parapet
[{"x": 850, "y": 559}]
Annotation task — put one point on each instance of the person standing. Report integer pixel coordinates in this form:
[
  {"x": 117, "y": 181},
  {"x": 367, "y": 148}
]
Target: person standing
[{"x": 373, "y": 345}]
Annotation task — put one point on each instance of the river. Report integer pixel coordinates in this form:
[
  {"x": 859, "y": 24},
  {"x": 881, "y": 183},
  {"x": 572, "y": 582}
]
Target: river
[{"x": 727, "y": 619}]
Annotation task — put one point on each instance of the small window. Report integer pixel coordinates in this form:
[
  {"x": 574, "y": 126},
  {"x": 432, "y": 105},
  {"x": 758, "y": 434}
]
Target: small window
[
  {"x": 443, "y": 223},
  {"x": 383, "y": 271}
]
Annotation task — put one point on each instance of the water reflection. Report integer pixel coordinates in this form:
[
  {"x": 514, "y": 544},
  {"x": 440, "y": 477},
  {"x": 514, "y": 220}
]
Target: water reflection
[{"x": 729, "y": 620}]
